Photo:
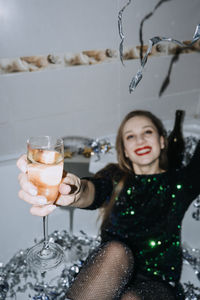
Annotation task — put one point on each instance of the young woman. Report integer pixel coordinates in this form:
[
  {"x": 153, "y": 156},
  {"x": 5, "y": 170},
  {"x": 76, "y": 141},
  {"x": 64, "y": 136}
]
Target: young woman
[{"x": 142, "y": 205}]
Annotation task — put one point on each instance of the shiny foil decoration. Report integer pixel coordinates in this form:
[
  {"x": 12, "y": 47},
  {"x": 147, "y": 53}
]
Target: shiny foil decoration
[
  {"x": 17, "y": 277},
  {"x": 75, "y": 145},
  {"x": 191, "y": 256},
  {"x": 191, "y": 292},
  {"x": 152, "y": 42},
  {"x": 174, "y": 59},
  {"x": 121, "y": 34},
  {"x": 149, "y": 15}
]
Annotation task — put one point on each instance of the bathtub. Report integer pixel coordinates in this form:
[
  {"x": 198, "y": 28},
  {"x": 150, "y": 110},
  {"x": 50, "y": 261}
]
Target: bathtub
[{"x": 19, "y": 229}]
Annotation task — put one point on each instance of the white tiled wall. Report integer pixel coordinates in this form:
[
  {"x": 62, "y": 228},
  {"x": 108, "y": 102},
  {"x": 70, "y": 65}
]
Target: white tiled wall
[{"x": 82, "y": 100}]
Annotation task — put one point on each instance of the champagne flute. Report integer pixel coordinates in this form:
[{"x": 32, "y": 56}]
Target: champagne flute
[{"x": 45, "y": 155}]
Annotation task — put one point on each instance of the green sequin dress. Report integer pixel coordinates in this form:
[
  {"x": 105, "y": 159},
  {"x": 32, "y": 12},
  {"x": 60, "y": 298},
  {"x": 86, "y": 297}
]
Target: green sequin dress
[{"x": 148, "y": 213}]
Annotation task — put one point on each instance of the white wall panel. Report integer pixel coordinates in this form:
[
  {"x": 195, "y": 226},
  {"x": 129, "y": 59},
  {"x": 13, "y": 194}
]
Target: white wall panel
[
  {"x": 5, "y": 110},
  {"x": 7, "y": 140},
  {"x": 52, "y": 92},
  {"x": 87, "y": 123},
  {"x": 166, "y": 106},
  {"x": 72, "y": 101},
  {"x": 41, "y": 27}
]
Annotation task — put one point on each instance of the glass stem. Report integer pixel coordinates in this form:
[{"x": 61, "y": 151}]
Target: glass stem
[{"x": 45, "y": 232}]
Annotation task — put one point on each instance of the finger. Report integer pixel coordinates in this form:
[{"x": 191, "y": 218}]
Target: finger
[
  {"x": 26, "y": 185},
  {"x": 64, "y": 189},
  {"x": 22, "y": 163},
  {"x": 65, "y": 200},
  {"x": 35, "y": 200},
  {"x": 71, "y": 179},
  {"x": 42, "y": 211},
  {"x": 70, "y": 184}
]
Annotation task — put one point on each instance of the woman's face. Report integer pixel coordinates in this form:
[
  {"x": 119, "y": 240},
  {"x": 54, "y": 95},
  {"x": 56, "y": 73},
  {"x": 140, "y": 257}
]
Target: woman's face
[{"x": 142, "y": 143}]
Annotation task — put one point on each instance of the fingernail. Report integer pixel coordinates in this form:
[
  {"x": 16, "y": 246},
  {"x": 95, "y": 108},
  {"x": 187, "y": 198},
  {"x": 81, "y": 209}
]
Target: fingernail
[
  {"x": 24, "y": 169},
  {"x": 33, "y": 191},
  {"x": 65, "y": 189},
  {"x": 51, "y": 207},
  {"x": 42, "y": 200}
]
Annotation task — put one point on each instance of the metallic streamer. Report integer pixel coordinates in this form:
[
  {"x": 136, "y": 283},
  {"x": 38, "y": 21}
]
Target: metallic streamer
[
  {"x": 174, "y": 59},
  {"x": 121, "y": 34},
  {"x": 142, "y": 23},
  {"x": 191, "y": 292},
  {"x": 190, "y": 145},
  {"x": 167, "y": 79},
  {"x": 191, "y": 256},
  {"x": 153, "y": 41}
]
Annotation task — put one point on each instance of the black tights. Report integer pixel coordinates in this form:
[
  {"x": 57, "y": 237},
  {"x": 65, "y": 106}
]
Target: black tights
[{"x": 106, "y": 274}]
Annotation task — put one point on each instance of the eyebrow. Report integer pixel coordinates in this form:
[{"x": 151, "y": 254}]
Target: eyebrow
[{"x": 142, "y": 128}]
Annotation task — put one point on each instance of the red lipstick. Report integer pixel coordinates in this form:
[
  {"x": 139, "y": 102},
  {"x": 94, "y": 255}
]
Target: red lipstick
[{"x": 143, "y": 150}]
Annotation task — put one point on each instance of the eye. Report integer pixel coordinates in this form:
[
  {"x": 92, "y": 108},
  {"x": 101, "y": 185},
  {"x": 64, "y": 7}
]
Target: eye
[
  {"x": 148, "y": 131},
  {"x": 130, "y": 136}
]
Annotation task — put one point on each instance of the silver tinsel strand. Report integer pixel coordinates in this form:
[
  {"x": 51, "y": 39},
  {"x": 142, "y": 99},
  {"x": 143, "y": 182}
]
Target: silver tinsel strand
[
  {"x": 121, "y": 34},
  {"x": 190, "y": 144},
  {"x": 152, "y": 42},
  {"x": 149, "y": 15}
]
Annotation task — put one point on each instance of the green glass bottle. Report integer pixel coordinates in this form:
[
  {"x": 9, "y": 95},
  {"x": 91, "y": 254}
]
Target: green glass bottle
[{"x": 176, "y": 143}]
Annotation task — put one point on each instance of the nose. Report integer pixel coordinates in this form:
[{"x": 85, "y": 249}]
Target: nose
[{"x": 140, "y": 139}]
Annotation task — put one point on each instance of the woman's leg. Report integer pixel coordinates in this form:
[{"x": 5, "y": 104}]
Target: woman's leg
[
  {"x": 150, "y": 290},
  {"x": 130, "y": 295},
  {"x": 105, "y": 274}
]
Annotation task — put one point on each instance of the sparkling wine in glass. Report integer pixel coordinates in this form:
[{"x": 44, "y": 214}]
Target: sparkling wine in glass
[{"x": 45, "y": 156}]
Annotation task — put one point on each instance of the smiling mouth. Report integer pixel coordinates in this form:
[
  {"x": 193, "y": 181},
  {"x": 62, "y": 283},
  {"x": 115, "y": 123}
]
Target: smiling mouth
[{"x": 143, "y": 151}]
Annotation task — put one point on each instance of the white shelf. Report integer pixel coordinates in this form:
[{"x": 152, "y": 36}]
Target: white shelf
[{"x": 77, "y": 159}]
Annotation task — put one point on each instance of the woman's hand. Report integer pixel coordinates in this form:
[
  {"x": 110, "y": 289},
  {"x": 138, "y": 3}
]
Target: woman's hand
[{"x": 69, "y": 191}]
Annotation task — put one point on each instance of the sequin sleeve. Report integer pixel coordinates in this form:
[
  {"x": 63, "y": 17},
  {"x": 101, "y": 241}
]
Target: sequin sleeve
[{"x": 103, "y": 183}]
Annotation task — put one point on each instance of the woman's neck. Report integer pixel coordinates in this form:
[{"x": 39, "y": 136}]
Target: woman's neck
[{"x": 147, "y": 169}]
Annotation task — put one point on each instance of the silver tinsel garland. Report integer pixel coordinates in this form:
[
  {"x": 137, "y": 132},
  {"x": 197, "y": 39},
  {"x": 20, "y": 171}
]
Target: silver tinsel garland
[
  {"x": 76, "y": 145},
  {"x": 190, "y": 144},
  {"x": 17, "y": 277}
]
